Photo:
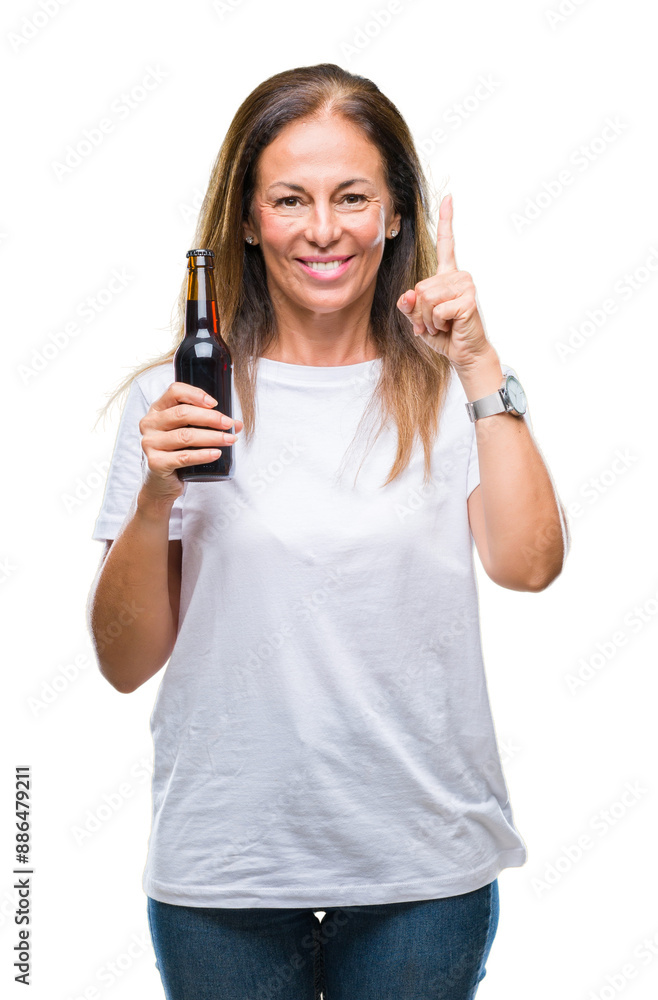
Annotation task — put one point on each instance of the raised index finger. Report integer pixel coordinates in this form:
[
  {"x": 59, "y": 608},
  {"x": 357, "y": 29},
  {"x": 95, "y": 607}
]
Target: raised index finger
[{"x": 445, "y": 240}]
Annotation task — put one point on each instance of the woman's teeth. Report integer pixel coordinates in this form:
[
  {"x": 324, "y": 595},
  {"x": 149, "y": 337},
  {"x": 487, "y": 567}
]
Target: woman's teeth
[{"x": 324, "y": 265}]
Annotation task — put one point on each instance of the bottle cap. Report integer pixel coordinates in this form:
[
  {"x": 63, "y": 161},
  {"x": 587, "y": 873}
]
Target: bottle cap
[{"x": 200, "y": 253}]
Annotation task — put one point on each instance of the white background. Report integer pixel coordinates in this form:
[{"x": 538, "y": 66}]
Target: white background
[{"x": 129, "y": 206}]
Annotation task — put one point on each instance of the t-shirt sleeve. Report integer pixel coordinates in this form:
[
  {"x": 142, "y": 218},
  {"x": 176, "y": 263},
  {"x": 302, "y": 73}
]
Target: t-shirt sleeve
[
  {"x": 473, "y": 474},
  {"x": 128, "y": 465}
]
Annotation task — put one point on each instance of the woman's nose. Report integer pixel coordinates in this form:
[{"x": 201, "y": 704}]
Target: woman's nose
[{"x": 322, "y": 227}]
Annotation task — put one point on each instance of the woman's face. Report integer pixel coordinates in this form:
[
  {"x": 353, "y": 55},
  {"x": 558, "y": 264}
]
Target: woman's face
[{"x": 320, "y": 194}]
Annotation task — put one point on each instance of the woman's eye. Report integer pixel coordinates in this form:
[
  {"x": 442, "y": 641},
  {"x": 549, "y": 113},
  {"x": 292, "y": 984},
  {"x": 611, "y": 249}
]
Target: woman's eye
[{"x": 290, "y": 197}]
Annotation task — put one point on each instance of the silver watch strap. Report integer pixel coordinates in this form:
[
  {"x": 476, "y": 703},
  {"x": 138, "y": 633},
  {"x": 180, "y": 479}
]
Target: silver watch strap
[{"x": 487, "y": 406}]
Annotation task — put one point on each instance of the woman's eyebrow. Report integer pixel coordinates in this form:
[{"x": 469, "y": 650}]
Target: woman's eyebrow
[{"x": 343, "y": 184}]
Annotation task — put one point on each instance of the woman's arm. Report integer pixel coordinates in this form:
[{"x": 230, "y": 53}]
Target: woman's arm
[
  {"x": 518, "y": 523},
  {"x": 132, "y": 609},
  {"x": 133, "y": 604}
]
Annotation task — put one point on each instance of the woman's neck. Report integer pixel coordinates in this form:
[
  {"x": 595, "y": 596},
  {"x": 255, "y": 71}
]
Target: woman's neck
[{"x": 325, "y": 340}]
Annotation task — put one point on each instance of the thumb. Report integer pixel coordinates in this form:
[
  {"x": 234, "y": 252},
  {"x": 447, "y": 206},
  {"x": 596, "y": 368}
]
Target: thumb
[
  {"x": 407, "y": 304},
  {"x": 407, "y": 301}
]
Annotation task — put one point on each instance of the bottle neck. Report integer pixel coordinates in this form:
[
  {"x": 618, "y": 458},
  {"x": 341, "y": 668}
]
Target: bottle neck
[{"x": 201, "y": 310}]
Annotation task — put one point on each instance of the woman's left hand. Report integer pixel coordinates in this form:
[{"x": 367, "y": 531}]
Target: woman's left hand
[{"x": 443, "y": 309}]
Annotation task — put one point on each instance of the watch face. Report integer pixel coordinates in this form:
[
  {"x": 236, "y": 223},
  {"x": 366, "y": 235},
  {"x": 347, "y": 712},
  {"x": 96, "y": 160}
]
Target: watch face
[{"x": 516, "y": 394}]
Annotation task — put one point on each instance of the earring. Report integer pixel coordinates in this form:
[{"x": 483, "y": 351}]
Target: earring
[
  {"x": 250, "y": 239},
  {"x": 394, "y": 232}
]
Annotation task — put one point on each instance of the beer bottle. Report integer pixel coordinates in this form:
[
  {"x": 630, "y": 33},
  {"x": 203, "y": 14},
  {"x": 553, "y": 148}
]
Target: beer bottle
[{"x": 203, "y": 359}]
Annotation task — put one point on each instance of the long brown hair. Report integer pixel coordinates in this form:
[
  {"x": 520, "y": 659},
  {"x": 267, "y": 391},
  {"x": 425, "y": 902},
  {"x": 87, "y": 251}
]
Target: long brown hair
[{"x": 414, "y": 378}]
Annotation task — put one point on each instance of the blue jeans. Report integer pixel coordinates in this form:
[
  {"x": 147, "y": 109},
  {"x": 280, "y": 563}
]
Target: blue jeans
[{"x": 430, "y": 949}]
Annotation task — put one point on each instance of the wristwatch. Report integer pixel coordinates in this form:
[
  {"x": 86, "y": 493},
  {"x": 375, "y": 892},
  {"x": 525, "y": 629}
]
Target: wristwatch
[{"x": 509, "y": 398}]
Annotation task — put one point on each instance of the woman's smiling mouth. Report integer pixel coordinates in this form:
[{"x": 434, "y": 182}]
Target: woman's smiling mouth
[{"x": 325, "y": 269}]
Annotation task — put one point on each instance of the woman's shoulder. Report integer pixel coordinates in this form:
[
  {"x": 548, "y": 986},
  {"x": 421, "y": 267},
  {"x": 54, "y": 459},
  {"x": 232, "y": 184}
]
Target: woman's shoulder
[{"x": 155, "y": 380}]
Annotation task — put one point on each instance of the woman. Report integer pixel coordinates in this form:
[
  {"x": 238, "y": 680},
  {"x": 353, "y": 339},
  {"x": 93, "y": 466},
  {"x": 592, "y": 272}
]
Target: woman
[{"x": 323, "y": 737}]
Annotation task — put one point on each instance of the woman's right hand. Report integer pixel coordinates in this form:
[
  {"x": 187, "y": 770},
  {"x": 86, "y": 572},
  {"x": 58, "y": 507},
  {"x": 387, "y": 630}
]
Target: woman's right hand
[{"x": 169, "y": 443}]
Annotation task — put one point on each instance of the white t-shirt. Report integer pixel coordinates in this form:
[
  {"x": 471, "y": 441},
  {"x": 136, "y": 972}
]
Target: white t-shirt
[{"x": 322, "y": 731}]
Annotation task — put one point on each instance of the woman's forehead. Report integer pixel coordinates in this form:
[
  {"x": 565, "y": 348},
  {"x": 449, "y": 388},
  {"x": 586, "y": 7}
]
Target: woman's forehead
[{"x": 331, "y": 151}]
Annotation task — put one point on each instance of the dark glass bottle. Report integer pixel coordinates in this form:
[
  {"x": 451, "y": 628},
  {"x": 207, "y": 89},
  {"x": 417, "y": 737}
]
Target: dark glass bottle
[{"x": 203, "y": 359}]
